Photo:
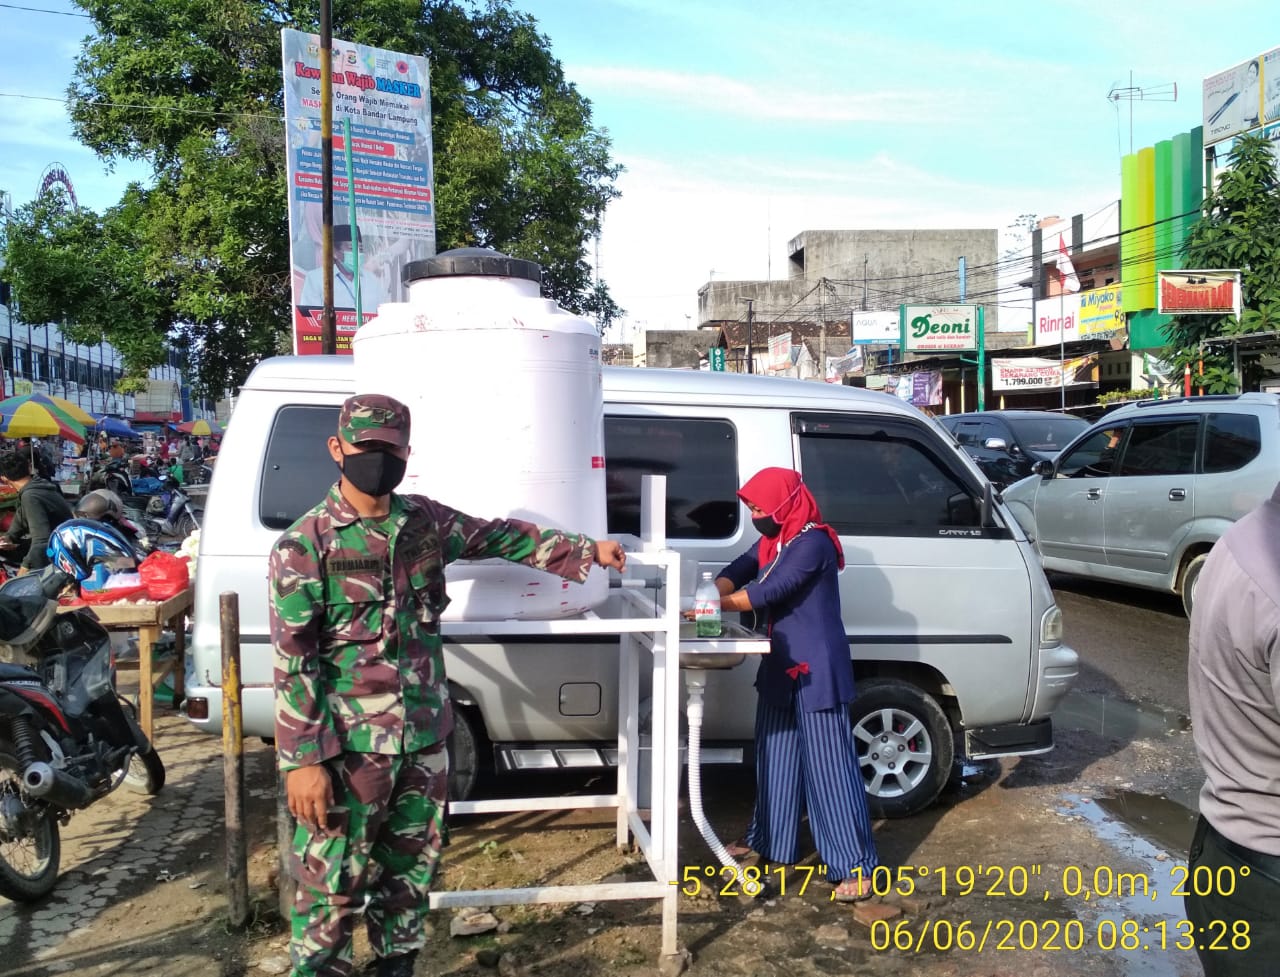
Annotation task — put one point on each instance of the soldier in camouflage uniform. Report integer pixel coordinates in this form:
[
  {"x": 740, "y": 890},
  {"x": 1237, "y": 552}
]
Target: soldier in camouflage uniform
[{"x": 362, "y": 711}]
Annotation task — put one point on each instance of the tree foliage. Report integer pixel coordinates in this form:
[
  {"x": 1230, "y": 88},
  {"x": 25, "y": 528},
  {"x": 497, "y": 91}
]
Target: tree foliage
[
  {"x": 200, "y": 255},
  {"x": 1240, "y": 228}
]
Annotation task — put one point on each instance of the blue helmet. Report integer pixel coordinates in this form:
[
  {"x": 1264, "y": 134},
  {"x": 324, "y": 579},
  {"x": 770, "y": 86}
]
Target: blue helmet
[{"x": 79, "y": 546}]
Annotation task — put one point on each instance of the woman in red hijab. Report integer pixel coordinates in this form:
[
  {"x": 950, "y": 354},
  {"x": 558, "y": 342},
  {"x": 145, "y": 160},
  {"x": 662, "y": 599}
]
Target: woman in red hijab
[{"x": 805, "y": 754}]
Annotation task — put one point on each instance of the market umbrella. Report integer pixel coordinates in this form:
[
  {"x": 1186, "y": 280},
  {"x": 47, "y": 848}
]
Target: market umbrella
[
  {"x": 33, "y": 420},
  {"x": 116, "y": 428},
  {"x": 64, "y": 409},
  {"x": 200, "y": 428}
]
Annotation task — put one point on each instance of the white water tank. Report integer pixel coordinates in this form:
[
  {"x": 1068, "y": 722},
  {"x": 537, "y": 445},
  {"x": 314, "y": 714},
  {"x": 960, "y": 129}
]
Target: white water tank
[{"x": 508, "y": 412}]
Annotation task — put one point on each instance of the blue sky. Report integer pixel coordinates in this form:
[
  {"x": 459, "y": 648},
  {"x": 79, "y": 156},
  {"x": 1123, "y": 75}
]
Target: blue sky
[{"x": 744, "y": 123}]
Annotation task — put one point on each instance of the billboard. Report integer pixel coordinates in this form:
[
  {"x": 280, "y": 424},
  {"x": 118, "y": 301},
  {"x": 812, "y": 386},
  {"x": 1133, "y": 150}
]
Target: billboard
[
  {"x": 1241, "y": 98},
  {"x": 387, "y": 97},
  {"x": 923, "y": 388},
  {"x": 939, "y": 328},
  {"x": 779, "y": 352},
  {"x": 1032, "y": 374},
  {"x": 1094, "y": 314},
  {"x": 875, "y": 327},
  {"x": 1190, "y": 292}
]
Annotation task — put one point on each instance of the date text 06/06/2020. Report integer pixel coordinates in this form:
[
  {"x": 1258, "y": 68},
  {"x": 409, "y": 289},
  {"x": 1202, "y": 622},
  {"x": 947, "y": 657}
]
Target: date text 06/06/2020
[{"x": 1107, "y": 935}]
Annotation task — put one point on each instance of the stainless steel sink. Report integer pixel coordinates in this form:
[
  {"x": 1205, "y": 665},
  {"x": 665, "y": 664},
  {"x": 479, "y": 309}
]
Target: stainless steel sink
[{"x": 727, "y": 651}]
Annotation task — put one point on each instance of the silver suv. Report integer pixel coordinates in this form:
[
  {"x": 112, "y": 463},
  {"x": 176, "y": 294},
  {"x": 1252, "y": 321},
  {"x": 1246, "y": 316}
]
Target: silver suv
[{"x": 1142, "y": 496}]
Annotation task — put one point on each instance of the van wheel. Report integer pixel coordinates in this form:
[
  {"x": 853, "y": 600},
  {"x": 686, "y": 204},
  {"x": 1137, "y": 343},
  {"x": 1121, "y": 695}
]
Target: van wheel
[
  {"x": 1191, "y": 577},
  {"x": 464, "y": 757},
  {"x": 905, "y": 747}
]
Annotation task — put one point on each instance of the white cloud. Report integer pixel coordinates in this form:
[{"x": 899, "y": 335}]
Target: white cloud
[{"x": 728, "y": 96}]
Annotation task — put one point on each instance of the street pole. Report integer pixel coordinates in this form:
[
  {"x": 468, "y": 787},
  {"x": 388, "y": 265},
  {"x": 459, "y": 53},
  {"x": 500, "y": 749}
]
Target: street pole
[
  {"x": 982, "y": 360},
  {"x": 1062, "y": 352},
  {"x": 750, "y": 326},
  {"x": 328, "y": 328}
]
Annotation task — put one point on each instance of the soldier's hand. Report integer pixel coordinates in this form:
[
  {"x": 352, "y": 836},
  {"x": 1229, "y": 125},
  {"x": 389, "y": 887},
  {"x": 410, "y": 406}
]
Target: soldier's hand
[
  {"x": 609, "y": 553},
  {"x": 310, "y": 794}
]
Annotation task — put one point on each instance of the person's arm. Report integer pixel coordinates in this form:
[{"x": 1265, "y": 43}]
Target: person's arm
[
  {"x": 38, "y": 529},
  {"x": 17, "y": 530},
  {"x": 737, "y": 575},
  {"x": 793, "y": 572},
  {"x": 305, "y": 733},
  {"x": 567, "y": 555}
]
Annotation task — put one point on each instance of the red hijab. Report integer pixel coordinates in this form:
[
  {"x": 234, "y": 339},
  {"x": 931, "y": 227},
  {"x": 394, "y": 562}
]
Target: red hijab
[{"x": 781, "y": 494}]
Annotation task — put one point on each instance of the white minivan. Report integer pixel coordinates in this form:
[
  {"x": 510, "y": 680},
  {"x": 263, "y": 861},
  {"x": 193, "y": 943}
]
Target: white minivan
[{"x": 955, "y": 636}]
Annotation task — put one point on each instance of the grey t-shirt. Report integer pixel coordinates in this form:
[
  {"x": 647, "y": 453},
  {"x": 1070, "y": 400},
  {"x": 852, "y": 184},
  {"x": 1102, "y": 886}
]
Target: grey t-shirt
[{"x": 1234, "y": 680}]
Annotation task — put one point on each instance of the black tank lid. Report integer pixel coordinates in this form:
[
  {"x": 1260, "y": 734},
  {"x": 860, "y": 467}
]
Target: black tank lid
[{"x": 471, "y": 261}]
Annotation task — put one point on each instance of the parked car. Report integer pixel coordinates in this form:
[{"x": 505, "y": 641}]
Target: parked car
[
  {"x": 1006, "y": 444},
  {"x": 1142, "y": 496}
]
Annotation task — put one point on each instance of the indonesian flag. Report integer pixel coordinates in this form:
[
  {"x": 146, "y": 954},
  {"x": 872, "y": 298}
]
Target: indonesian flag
[{"x": 1070, "y": 280}]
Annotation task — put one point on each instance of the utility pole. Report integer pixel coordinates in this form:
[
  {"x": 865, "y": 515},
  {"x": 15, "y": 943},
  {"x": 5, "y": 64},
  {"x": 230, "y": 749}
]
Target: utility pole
[
  {"x": 865, "y": 259},
  {"x": 328, "y": 327},
  {"x": 750, "y": 326}
]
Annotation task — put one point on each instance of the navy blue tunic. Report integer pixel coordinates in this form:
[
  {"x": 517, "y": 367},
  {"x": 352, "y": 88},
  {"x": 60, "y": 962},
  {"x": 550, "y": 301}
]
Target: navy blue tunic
[{"x": 801, "y": 591}]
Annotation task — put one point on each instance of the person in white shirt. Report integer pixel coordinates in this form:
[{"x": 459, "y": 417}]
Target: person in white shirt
[{"x": 344, "y": 287}]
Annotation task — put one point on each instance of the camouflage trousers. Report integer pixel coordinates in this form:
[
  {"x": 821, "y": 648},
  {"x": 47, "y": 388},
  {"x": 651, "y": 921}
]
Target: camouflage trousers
[{"x": 378, "y": 855}]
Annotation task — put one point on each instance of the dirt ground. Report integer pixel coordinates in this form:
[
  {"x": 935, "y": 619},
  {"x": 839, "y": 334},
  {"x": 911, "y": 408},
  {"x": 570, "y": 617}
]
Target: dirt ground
[{"x": 144, "y": 880}]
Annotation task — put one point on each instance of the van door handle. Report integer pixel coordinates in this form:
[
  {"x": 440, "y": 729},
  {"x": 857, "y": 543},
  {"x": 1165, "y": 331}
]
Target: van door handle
[
  {"x": 1177, "y": 495},
  {"x": 1094, "y": 494}
]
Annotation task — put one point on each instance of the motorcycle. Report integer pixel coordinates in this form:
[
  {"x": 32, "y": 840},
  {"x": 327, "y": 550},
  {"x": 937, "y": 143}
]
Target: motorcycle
[
  {"x": 171, "y": 513},
  {"x": 112, "y": 475},
  {"x": 67, "y": 738}
]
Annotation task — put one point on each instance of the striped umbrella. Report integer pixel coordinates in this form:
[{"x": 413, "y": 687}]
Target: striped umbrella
[
  {"x": 65, "y": 409},
  {"x": 32, "y": 420}
]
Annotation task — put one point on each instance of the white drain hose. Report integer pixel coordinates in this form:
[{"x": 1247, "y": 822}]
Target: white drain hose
[{"x": 695, "y": 684}]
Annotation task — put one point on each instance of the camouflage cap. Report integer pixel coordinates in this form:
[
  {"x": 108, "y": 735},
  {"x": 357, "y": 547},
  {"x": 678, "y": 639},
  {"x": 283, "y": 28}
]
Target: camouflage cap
[{"x": 374, "y": 417}]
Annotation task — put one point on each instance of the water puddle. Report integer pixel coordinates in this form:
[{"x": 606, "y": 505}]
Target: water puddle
[
  {"x": 1117, "y": 719},
  {"x": 1150, "y": 835}
]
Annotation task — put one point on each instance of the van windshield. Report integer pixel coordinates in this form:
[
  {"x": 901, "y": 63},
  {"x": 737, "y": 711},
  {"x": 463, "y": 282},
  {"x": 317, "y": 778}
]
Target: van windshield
[{"x": 1049, "y": 433}]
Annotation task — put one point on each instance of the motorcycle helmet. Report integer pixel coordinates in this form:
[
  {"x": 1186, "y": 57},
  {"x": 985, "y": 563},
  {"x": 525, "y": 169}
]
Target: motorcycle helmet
[
  {"x": 79, "y": 546},
  {"x": 100, "y": 504}
]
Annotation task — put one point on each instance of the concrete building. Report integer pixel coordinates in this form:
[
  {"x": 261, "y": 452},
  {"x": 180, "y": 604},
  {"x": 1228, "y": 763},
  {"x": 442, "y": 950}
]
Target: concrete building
[{"x": 830, "y": 273}]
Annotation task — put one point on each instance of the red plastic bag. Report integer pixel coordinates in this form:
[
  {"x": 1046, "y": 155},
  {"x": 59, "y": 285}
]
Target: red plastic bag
[
  {"x": 164, "y": 575},
  {"x": 114, "y": 594}
]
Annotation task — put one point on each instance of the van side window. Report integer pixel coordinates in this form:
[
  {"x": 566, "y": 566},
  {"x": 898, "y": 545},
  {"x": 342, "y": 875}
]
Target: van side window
[
  {"x": 1166, "y": 448},
  {"x": 883, "y": 486},
  {"x": 699, "y": 458},
  {"x": 297, "y": 470},
  {"x": 1231, "y": 441}
]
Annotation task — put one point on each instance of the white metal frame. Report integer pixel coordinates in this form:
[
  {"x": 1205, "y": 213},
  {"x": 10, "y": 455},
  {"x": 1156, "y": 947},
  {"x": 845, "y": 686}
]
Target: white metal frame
[{"x": 654, "y": 628}]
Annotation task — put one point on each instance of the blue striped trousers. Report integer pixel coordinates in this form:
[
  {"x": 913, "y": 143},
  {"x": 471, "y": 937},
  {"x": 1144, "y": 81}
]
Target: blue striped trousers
[{"x": 810, "y": 758}]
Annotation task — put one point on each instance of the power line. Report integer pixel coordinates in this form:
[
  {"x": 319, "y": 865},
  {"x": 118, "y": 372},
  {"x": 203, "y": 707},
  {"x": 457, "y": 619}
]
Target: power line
[
  {"x": 43, "y": 10},
  {"x": 147, "y": 108}
]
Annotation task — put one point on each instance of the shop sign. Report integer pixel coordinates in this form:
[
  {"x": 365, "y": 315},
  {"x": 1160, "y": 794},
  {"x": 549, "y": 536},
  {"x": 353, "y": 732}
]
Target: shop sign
[{"x": 939, "y": 328}]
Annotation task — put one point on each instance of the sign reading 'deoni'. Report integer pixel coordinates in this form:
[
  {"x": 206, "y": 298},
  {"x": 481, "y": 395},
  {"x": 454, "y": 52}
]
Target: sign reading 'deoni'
[
  {"x": 386, "y": 97},
  {"x": 1190, "y": 292},
  {"x": 939, "y": 328}
]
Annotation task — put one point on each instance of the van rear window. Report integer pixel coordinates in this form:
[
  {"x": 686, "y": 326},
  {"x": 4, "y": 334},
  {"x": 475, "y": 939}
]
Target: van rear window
[{"x": 297, "y": 470}]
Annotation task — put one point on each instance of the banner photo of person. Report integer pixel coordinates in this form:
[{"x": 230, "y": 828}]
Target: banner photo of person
[
  {"x": 386, "y": 97},
  {"x": 1031, "y": 374},
  {"x": 922, "y": 389}
]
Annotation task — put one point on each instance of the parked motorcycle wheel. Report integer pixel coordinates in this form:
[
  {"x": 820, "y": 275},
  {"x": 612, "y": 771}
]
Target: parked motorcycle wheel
[
  {"x": 30, "y": 845},
  {"x": 146, "y": 773},
  {"x": 185, "y": 525}
]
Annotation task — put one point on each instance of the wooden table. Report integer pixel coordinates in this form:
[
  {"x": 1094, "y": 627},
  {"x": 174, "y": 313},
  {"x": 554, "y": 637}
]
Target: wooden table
[{"x": 148, "y": 619}]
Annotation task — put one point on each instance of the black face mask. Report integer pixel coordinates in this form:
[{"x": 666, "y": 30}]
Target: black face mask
[
  {"x": 767, "y": 526},
  {"x": 374, "y": 473}
]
